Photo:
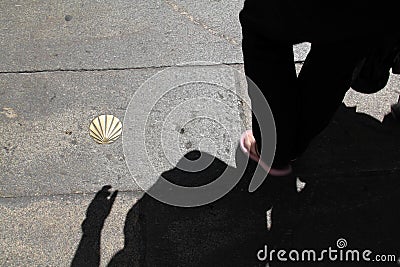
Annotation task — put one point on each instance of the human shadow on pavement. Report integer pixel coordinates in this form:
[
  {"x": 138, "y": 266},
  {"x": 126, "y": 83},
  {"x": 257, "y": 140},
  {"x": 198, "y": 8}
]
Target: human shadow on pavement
[
  {"x": 158, "y": 234},
  {"x": 352, "y": 193},
  {"x": 88, "y": 252}
]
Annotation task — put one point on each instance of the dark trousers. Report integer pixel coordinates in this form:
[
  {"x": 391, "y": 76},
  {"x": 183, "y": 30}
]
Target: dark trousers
[{"x": 302, "y": 106}]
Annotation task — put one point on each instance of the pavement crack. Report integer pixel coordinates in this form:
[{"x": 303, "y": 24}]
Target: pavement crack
[
  {"x": 183, "y": 12},
  {"x": 115, "y": 69},
  {"x": 80, "y": 70},
  {"x": 5, "y": 197}
]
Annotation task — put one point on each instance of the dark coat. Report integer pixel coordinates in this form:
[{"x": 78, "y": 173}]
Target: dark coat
[{"x": 321, "y": 20}]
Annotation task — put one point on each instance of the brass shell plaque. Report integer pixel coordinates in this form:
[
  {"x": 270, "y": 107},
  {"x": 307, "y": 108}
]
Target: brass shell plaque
[{"x": 105, "y": 129}]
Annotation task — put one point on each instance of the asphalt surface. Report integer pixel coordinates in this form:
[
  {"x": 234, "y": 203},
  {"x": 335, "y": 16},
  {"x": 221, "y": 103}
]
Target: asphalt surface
[{"x": 62, "y": 64}]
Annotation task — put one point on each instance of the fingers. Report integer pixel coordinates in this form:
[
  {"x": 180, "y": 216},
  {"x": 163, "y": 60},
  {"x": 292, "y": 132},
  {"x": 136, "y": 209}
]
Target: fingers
[
  {"x": 250, "y": 144},
  {"x": 105, "y": 193},
  {"x": 106, "y": 187},
  {"x": 113, "y": 197},
  {"x": 247, "y": 142},
  {"x": 101, "y": 205}
]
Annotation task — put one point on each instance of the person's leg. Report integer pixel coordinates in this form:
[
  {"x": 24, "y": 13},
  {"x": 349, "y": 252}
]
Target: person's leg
[
  {"x": 269, "y": 64},
  {"x": 323, "y": 81}
]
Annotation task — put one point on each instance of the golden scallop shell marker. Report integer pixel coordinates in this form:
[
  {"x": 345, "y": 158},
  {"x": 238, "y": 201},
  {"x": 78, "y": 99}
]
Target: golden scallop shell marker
[{"x": 105, "y": 129}]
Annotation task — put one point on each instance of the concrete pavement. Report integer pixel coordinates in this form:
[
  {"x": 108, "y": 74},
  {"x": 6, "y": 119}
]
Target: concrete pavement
[{"x": 64, "y": 63}]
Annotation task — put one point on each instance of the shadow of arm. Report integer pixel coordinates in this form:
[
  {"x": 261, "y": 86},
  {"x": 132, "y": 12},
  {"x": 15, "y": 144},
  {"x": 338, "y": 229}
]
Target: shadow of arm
[{"x": 88, "y": 252}]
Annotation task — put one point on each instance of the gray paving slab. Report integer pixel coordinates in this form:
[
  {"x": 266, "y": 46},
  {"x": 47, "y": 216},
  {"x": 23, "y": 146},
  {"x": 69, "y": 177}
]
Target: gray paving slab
[
  {"x": 46, "y": 148},
  {"x": 108, "y": 34},
  {"x": 45, "y": 231}
]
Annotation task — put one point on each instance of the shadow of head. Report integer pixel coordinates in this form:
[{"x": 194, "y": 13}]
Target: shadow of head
[{"x": 163, "y": 235}]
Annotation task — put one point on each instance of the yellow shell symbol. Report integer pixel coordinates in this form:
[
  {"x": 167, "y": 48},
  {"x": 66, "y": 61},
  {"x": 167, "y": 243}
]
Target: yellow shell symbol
[{"x": 105, "y": 129}]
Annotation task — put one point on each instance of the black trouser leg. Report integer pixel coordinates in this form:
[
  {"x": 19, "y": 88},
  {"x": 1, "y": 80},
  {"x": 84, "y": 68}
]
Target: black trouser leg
[
  {"x": 302, "y": 107},
  {"x": 269, "y": 64},
  {"x": 322, "y": 83}
]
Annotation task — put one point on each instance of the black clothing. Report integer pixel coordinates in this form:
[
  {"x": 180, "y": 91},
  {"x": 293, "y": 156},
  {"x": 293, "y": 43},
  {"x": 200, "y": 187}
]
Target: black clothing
[
  {"x": 340, "y": 34},
  {"x": 321, "y": 21}
]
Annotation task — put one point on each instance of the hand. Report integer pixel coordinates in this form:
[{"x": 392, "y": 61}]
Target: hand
[{"x": 99, "y": 209}]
